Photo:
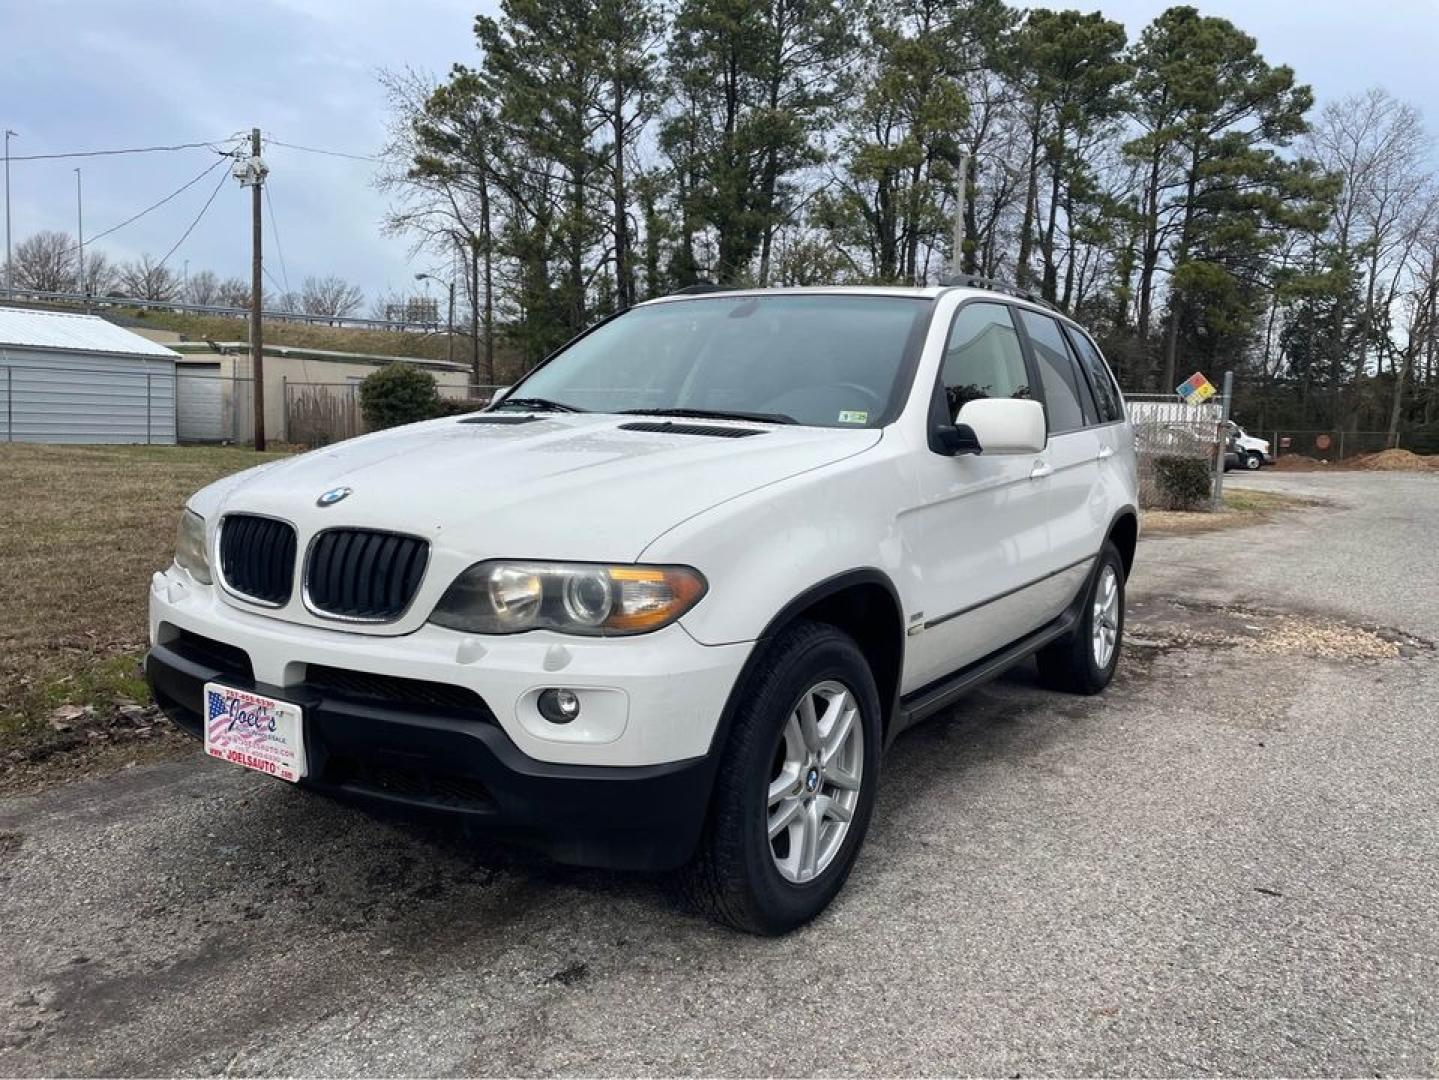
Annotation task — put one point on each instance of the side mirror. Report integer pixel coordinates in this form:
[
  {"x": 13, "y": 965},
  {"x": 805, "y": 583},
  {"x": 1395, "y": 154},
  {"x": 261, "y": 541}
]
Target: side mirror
[
  {"x": 1002, "y": 425},
  {"x": 499, "y": 395}
]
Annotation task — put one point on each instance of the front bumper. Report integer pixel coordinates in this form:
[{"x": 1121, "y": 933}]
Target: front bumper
[
  {"x": 442, "y": 759},
  {"x": 647, "y": 700}
]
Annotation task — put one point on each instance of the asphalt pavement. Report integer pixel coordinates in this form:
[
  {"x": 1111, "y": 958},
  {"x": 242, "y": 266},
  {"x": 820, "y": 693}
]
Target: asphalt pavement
[{"x": 1228, "y": 863}]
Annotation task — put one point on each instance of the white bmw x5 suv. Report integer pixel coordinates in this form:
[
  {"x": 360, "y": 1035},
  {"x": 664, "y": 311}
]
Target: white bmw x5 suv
[{"x": 666, "y": 604}]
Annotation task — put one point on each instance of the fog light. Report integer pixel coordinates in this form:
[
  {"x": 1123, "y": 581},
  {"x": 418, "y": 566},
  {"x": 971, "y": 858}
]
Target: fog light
[{"x": 559, "y": 706}]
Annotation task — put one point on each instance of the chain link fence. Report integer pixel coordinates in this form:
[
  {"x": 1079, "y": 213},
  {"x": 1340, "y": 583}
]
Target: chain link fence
[
  {"x": 1332, "y": 445},
  {"x": 61, "y": 404},
  {"x": 1166, "y": 427},
  {"x": 317, "y": 414}
]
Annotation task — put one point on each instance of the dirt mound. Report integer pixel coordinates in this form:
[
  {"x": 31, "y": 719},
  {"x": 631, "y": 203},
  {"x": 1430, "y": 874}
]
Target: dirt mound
[
  {"x": 1299, "y": 463},
  {"x": 1396, "y": 461}
]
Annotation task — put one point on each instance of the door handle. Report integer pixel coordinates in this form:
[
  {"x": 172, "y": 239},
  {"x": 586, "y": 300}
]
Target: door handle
[
  {"x": 1105, "y": 452},
  {"x": 1041, "y": 469}
]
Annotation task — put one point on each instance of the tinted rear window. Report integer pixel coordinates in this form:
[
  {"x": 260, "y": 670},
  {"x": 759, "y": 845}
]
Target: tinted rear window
[{"x": 1065, "y": 400}]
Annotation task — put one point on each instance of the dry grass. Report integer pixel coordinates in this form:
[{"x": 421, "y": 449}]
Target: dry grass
[
  {"x": 82, "y": 530},
  {"x": 1241, "y": 508}
]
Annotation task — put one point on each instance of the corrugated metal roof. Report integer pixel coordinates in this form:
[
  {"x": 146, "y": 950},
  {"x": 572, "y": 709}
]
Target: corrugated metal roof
[{"x": 23, "y": 328}]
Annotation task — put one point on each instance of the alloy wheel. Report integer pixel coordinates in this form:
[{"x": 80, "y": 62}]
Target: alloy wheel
[
  {"x": 1104, "y": 621},
  {"x": 814, "y": 786}
]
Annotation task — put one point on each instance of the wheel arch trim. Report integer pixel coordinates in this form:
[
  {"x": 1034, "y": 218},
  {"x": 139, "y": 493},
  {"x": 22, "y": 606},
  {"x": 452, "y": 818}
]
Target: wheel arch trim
[{"x": 803, "y": 601}]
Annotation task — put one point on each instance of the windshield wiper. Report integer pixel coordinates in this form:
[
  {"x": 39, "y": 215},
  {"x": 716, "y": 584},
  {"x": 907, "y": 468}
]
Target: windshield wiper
[
  {"x": 714, "y": 414},
  {"x": 536, "y": 404}
]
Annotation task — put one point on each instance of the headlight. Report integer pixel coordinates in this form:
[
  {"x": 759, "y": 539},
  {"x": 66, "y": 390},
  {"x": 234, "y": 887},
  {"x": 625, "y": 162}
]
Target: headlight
[
  {"x": 190, "y": 547},
  {"x": 572, "y": 598}
]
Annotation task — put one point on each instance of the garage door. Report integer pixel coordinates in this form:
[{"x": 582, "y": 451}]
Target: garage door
[{"x": 200, "y": 406}]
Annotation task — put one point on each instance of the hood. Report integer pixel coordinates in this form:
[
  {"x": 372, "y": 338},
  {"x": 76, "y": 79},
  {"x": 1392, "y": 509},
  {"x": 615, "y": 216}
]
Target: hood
[{"x": 561, "y": 486}]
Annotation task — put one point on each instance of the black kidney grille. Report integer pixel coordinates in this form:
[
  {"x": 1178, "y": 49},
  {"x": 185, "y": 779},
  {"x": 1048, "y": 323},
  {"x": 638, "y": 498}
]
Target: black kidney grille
[
  {"x": 360, "y": 574},
  {"x": 257, "y": 557}
]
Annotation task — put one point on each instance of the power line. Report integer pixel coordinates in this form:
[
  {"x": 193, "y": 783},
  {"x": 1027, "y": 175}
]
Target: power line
[
  {"x": 275, "y": 232},
  {"x": 198, "y": 216},
  {"x": 155, "y": 206},
  {"x": 327, "y": 153},
  {"x": 111, "y": 153},
  {"x": 282, "y": 288}
]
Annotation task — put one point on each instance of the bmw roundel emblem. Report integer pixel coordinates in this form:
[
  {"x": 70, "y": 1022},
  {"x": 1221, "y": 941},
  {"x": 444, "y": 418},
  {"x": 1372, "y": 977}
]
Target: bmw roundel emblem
[{"x": 331, "y": 497}]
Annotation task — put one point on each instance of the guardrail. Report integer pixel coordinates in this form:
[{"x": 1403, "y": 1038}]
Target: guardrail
[{"x": 179, "y": 307}]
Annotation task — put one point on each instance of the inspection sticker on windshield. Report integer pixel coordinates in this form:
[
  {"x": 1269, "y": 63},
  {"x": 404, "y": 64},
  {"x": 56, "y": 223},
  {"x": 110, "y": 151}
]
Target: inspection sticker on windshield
[
  {"x": 255, "y": 731},
  {"x": 847, "y": 417}
]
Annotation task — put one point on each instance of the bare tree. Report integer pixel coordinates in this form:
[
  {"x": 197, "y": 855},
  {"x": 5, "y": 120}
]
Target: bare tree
[
  {"x": 202, "y": 288},
  {"x": 439, "y": 169},
  {"x": 1378, "y": 147},
  {"x": 99, "y": 274},
  {"x": 146, "y": 279},
  {"x": 45, "y": 262},
  {"x": 233, "y": 292},
  {"x": 332, "y": 296}
]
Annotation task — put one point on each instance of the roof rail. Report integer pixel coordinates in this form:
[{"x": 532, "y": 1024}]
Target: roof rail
[
  {"x": 974, "y": 281},
  {"x": 701, "y": 287}
]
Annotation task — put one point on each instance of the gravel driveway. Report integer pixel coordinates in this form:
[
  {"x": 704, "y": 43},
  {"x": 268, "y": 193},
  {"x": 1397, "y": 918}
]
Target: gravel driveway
[{"x": 1229, "y": 863}]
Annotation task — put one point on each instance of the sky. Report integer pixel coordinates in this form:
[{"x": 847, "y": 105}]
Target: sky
[{"x": 97, "y": 74}]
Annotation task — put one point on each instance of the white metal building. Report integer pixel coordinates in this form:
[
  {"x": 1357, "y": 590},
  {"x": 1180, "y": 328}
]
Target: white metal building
[{"x": 69, "y": 378}]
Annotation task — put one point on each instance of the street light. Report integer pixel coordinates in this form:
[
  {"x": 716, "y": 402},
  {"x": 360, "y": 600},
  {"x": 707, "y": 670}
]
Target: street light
[
  {"x": 9, "y": 284},
  {"x": 450, "y": 322},
  {"x": 80, "y": 231}
]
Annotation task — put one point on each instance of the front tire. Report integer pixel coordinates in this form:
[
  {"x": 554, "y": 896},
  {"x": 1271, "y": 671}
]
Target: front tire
[
  {"x": 1084, "y": 660},
  {"x": 1253, "y": 462},
  {"x": 795, "y": 788}
]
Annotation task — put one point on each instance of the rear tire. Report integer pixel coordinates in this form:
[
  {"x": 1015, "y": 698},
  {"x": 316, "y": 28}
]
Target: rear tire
[
  {"x": 1084, "y": 660},
  {"x": 795, "y": 788}
]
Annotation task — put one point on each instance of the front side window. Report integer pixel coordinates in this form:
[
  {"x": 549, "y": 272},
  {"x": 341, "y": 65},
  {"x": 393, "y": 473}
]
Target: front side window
[
  {"x": 983, "y": 357},
  {"x": 824, "y": 360},
  {"x": 1065, "y": 400}
]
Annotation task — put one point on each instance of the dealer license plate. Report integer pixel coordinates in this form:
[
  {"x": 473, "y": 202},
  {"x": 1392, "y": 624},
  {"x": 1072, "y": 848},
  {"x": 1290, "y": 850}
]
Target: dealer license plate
[{"x": 255, "y": 731}]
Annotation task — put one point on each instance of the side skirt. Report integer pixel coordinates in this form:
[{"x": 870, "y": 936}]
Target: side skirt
[{"x": 940, "y": 694}]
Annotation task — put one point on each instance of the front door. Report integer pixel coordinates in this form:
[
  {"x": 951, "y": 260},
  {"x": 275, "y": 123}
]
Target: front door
[{"x": 978, "y": 529}]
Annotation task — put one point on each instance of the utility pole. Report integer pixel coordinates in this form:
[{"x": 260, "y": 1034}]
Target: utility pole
[
  {"x": 80, "y": 233},
  {"x": 956, "y": 265},
  {"x": 251, "y": 173},
  {"x": 9, "y": 284},
  {"x": 1226, "y": 402}
]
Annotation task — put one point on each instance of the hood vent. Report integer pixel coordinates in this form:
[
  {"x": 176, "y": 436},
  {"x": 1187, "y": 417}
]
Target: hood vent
[
  {"x": 500, "y": 418},
  {"x": 670, "y": 428}
]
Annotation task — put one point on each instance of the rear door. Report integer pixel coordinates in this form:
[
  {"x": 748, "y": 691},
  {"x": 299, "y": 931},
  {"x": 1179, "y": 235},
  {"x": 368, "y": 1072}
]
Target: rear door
[
  {"x": 1078, "y": 517},
  {"x": 1116, "y": 441}
]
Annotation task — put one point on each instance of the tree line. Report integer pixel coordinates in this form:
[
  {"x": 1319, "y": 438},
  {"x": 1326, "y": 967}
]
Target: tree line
[
  {"x": 50, "y": 261},
  {"x": 1178, "y": 193}
]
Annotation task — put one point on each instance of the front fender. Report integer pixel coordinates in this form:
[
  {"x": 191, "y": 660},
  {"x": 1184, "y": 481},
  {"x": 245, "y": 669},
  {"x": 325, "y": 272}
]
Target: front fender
[{"x": 761, "y": 550}]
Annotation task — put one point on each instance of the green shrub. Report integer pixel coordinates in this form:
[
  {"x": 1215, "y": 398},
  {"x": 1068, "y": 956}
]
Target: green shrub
[
  {"x": 398, "y": 394},
  {"x": 1184, "y": 483},
  {"x": 457, "y": 406}
]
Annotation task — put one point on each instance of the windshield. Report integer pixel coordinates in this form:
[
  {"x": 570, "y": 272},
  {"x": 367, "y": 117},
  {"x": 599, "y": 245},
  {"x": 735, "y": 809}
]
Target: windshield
[{"x": 822, "y": 360}]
